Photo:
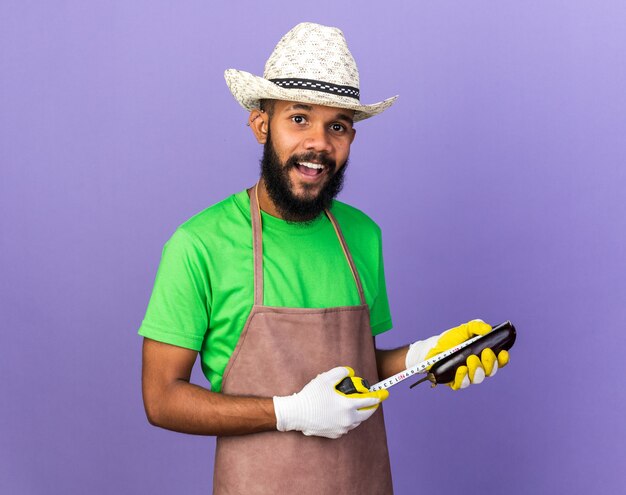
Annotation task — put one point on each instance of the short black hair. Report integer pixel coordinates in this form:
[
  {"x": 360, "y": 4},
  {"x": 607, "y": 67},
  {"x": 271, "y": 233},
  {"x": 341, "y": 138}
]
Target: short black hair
[{"x": 266, "y": 105}]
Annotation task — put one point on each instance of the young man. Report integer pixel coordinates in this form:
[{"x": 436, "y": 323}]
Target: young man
[{"x": 281, "y": 290}]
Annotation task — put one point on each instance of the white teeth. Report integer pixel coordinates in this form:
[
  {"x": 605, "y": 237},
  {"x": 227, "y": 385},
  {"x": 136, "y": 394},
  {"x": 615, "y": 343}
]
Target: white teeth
[{"x": 312, "y": 165}]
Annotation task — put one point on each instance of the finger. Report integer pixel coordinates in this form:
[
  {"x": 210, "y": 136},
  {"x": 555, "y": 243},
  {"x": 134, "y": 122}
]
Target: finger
[
  {"x": 488, "y": 358},
  {"x": 447, "y": 340},
  {"x": 357, "y": 401},
  {"x": 337, "y": 374},
  {"x": 382, "y": 394},
  {"x": 333, "y": 435},
  {"x": 503, "y": 358},
  {"x": 461, "y": 380},
  {"x": 379, "y": 395},
  {"x": 478, "y": 327},
  {"x": 475, "y": 369},
  {"x": 354, "y": 425},
  {"x": 349, "y": 370},
  {"x": 365, "y": 412},
  {"x": 495, "y": 369},
  {"x": 370, "y": 408}
]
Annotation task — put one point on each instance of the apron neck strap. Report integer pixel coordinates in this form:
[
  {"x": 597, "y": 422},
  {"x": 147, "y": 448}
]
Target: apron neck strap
[
  {"x": 346, "y": 252},
  {"x": 257, "y": 244}
]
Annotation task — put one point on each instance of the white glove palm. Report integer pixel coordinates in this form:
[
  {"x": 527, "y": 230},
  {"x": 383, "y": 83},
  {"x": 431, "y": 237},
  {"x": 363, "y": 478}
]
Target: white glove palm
[{"x": 320, "y": 409}]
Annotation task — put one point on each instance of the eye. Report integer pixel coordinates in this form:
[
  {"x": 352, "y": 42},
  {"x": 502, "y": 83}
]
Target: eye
[
  {"x": 336, "y": 127},
  {"x": 298, "y": 119}
]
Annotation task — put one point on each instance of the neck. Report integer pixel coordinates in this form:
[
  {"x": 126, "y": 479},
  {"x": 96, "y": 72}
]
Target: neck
[{"x": 265, "y": 202}]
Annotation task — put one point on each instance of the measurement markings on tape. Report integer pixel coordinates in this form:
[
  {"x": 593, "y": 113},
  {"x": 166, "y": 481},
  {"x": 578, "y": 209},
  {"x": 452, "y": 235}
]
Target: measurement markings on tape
[{"x": 420, "y": 367}]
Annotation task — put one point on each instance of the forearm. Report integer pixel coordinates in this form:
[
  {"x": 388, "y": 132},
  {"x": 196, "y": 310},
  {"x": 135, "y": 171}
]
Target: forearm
[
  {"x": 390, "y": 361},
  {"x": 188, "y": 408}
]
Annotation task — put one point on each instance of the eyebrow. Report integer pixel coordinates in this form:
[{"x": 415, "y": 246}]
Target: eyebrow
[
  {"x": 309, "y": 108},
  {"x": 347, "y": 118}
]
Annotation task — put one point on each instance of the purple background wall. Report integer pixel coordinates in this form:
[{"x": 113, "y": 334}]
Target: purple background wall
[{"x": 498, "y": 180}]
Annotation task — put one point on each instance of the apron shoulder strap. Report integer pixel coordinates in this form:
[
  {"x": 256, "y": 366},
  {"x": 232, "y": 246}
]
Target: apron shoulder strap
[
  {"x": 346, "y": 252},
  {"x": 257, "y": 243}
]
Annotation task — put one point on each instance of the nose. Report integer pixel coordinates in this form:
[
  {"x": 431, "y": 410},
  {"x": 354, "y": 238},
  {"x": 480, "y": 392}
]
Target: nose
[{"x": 317, "y": 140}]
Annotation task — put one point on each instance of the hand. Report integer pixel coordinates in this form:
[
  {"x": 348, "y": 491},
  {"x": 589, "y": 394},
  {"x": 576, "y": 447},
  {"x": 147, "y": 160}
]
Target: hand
[
  {"x": 320, "y": 409},
  {"x": 476, "y": 368}
]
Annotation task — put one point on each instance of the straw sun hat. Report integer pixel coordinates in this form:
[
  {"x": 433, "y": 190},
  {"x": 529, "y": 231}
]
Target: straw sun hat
[{"x": 310, "y": 64}]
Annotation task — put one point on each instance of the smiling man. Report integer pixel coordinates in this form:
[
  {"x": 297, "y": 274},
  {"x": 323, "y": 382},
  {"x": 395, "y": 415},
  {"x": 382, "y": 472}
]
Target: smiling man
[
  {"x": 280, "y": 288},
  {"x": 304, "y": 165}
]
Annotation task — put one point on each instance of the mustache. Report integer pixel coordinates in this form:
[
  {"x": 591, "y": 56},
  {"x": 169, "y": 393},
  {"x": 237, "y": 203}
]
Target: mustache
[{"x": 320, "y": 158}]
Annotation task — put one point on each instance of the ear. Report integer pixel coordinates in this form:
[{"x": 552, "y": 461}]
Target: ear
[{"x": 259, "y": 122}]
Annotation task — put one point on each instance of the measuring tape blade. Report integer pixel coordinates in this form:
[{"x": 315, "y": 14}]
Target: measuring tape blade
[{"x": 421, "y": 367}]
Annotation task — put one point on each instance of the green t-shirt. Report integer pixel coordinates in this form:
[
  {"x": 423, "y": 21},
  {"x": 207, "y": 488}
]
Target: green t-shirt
[{"x": 204, "y": 287}]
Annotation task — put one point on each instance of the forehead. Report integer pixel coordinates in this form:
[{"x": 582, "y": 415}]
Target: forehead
[{"x": 329, "y": 112}]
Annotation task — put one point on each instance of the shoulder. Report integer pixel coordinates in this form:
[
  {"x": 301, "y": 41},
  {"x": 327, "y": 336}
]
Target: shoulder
[
  {"x": 218, "y": 221},
  {"x": 211, "y": 215},
  {"x": 352, "y": 220}
]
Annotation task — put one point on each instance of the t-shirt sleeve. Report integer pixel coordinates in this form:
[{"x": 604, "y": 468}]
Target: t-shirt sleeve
[
  {"x": 178, "y": 311},
  {"x": 380, "y": 315}
]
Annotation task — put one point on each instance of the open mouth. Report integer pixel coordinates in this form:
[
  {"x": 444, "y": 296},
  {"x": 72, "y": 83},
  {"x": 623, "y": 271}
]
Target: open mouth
[{"x": 310, "y": 169}]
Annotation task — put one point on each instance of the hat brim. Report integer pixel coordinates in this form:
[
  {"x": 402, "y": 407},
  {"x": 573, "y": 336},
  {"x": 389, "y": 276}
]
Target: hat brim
[{"x": 249, "y": 89}]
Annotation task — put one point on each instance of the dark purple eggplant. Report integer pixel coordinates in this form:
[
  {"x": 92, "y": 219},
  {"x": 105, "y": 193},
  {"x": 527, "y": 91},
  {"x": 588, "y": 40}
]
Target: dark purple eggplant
[{"x": 501, "y": 338}]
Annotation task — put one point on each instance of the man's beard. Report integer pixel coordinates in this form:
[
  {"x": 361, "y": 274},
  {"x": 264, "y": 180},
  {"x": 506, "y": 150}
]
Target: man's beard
[{"x": 279, "y": 187}]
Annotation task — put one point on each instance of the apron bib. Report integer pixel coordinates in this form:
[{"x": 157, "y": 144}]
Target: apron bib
[{"x": 279, "y": 351}]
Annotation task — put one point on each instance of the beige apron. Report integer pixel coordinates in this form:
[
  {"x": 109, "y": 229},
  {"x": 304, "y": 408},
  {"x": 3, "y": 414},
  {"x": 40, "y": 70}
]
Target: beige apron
[{"x": 279, "y": 351}]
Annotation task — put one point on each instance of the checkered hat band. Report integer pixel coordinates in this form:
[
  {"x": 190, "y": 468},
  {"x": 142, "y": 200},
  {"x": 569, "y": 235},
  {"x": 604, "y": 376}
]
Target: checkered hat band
[{"x": 324, "y": 87}]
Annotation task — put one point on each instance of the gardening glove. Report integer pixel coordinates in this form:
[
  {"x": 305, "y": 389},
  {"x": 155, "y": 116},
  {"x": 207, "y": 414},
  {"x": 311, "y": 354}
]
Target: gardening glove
[
  {"x": 320, "y": 409},
  {"x": 475, "y": 369}
]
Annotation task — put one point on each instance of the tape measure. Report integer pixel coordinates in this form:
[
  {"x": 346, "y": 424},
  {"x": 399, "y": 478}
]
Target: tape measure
[{"x": 445, "y": 364}]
